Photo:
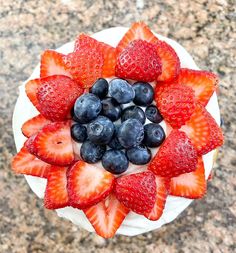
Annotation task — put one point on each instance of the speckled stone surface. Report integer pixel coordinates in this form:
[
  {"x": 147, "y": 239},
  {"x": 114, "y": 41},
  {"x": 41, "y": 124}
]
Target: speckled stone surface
[{"x": 207, "y": 29}]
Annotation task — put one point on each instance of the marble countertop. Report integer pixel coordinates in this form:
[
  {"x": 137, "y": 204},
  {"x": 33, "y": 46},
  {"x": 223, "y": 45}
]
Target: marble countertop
[{"x": 207, "y": 29}]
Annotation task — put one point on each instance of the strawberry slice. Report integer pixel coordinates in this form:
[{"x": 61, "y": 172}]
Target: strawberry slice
[
  {"x": 32, "y": 126},
  {"x": 56, "y": 195},
  {"x": 203, "y": 83},
  {"x": 88, "y": 185},
  {"x": 25, "y": 163},
  {"x": 52, "y": 64},
  {"x": 31, "y": 89},
  {"x": 29, "y": 144},
  {"x": 106, "y": 216},
  {"x": 138, "y": 30},
  {"x": 53, "y": 144},
  {"x": 190, "y": 185}
]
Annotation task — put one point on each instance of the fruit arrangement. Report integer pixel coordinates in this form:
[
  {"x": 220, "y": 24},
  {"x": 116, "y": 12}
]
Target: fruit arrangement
[{"x": 103, "y": 110}]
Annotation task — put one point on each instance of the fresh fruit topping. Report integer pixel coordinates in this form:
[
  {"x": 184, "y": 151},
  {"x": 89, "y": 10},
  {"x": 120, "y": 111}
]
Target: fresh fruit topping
[
  {"x": 56, "y": 96},
  {"x": 56, "y": 195},
  {"x": 133, "y": 112},
  {"x": 53, "y": 144},
  {"x": 169, "y": 60},
  {"x": 106, "y": 216},
  {"x": 115, "y": 161},
  {"x": 144, "y": 93},
  {"x": 138, "y": 30},
  {"x": 29, "y": 144},
  {"x": 111, "y": 109},
  {"x": 176, "y": 104},
  {"x": 87, "y": 107},
  {"x": 154, "y": 135},
  {"x": 152, "y": 113},
  {"x": 203, "y": 83},
  {"x": 137, "y": 191},
  {"x": 78, "y": 132},
  {"x": 100, "y": 88},
  {"x": 87, "y": 185},
  {"x": 139, "y": 155},
  {"x": 91, "y": 152},
  {"x": 130, "y": 133},
  {"x": 31, "y": 89},
  {"x": 121, "y": 91},
  {"x": 34, "y": 125},
  {"x": 162, "y": 86},
  {"x": 176, "y": 156},
  {"x": 139, "y": 61},
  {"x": 114, "y": 143},
  {"x": 190, "y": 185}
]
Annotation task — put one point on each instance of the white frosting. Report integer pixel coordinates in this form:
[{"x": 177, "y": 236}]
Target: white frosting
[{"x": 133, "y": 224}]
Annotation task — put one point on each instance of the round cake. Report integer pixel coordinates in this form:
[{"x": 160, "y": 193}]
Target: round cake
[{"x": 134, "y": 222}]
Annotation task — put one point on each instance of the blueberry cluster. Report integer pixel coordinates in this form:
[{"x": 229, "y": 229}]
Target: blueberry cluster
[{"x": 110, "y": 124}]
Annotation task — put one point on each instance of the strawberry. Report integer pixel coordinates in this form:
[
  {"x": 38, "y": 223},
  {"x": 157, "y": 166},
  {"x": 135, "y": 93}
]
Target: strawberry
[
  {"x": 53, "y": 144},
  {"x": 25, "y": 163},
  {"x": 52, "y": 64},
  {"x": 169, "y": 60},
  {"x": 160, "y": 87},
  {"x": 106, "y": 216},
  {"x": 138, "y": 30},
  {"x": 31, "y": 89},
  {"x": 56, "y": 96},
  {"x": 137, "y": 191},
  {"x": 29, "y": 144},
  {"x": 176, "y": 104},
  {"x": 162, "y": 186},
  {"x": 139, "y": 61},
  {"x": 88, "y": 185},
  {"x": 203, "y": 83},
  {"x": 190, "y": 185},
  {"x": 56, "y": 195},
  {"x": 176, "y": 156},
  {"x": 32, "y": 126}
]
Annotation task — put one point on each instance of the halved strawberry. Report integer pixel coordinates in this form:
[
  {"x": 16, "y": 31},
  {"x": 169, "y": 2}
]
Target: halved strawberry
[
  {"x": 88, "y": 184},
  {"x": 138, "y": 30},
  {"x": 203, "y": 83},
  {"x": 29, "y": 144},
  {"x": 33, "y": 125},
  {"x": 53, "y": 144},
  {"x": 31, "y": 89},
  {"x": 190, "y": 185},
  {"x": 56, "y": 195},
  {"x": 106, "y": 216}
]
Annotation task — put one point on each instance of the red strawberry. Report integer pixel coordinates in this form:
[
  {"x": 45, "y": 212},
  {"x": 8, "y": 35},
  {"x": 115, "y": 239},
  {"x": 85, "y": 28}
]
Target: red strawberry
[
  {"x": 56, "y": 195},
  {"x": 53, "y": 144},
  {"x": 160, "y": 87},
  {"x": 106, "y": 216},
  {"x": 29, "y": 144},
  {"x": 56, "y": 96},
  {"x": 190, "y": 185},
  {"x": 162, "y": 186},
  {"x": 52, "y": 64},
  {"x": 138, "y": 30},
  {"x": 25, "y": 163},
  {"x": 202, "y": 82},
  {"x": 176, "y": 156},
  {"x": 139, "y": 61},
  {"x": 176, "y": 104},
  {"x": 31, "y": 89},
  {"x": 169, "y": 60},
  {"x": 32, "y": 126},
  {"x": 137, "y": 191},
  {"x": 88, "y": 185}
]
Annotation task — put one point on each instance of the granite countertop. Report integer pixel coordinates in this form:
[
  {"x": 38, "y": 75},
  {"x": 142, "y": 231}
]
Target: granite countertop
[{"x": 207, "y": 29}]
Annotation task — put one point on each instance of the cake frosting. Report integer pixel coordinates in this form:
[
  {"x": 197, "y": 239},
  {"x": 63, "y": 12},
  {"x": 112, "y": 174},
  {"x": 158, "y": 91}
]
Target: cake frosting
[{"x": 133, "y": 224}]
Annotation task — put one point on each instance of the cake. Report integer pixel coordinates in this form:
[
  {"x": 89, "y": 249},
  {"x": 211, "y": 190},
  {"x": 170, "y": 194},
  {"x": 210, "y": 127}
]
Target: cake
[{"x": 130, "y": 198}]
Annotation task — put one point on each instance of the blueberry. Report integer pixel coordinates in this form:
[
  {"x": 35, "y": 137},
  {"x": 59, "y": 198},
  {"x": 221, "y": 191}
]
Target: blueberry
[
  {"x": 154, "y": 135},
  {"x": 130, "y": 133},
  {"x": 79, "y": 132},
  {"x": 133, "y": 112},
  {"x": 111, "y": 109},
  {"x": 121, "y": 91},
  {"x": 91, "y": 152},
  {"x": 153, "y": 114},
  {"x": 87, "y": 107},
  {"x": 144, "y": 93},
  {"x": 115, "y": 161},
  {"x": 100, "y": 88},
  {"x": 72, "y": 113},
  {"x": 139, "y": 155},
  {"x": 100, "y": 130},
  {"x": 114, "y": 143}
]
